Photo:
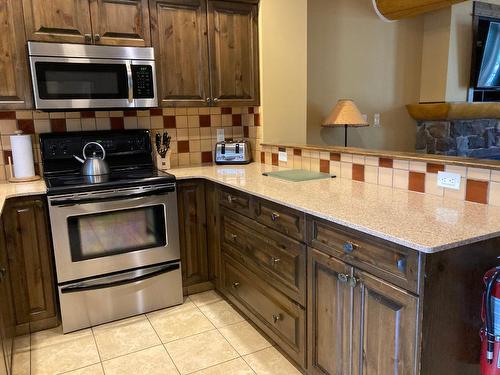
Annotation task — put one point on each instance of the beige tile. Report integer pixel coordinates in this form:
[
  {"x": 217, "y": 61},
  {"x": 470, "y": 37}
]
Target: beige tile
[
  {"x": 168, "y": 111},
  {"x": 192, "y": 111},
  {"x": 103, "y": 123},
  {"x": 371, "y": 160},
  {"x": 216, "y": 120},
  {"x": 385, "y": 176},
  {"x": 400, "y": 179},
  {"x": 478, "y": 174},
  {"x": 180, "y": 111},
  {"x": 193, "y": 121},
  {"x": 183, "y": 160},
  {"x": 221, "y": 314},
  {"x": 358, "y": 159},
  {"x": 244, "y": 338},
  {"x": 234, "y": 367},
  {"x": 495, "y": 176},
  {"x": 494, "y": 198},
  {"x": 215, "y": 111},
  {"x": 130, "y": 122},
  {"x": 40, "y": 115},
  {"x": 201, "y": 351},
  {"x": 462, "y": 171},
  {"x": 400, "y": 164},
  {"x": 431, "y": 186},
  {"x": 56, "y": 115},
  {"x": 144, "y": 122},
  {"x": 335, "y": 168},
  {"x": 270, "y": 362},
  {"x": 73, "y": 124},
  {"x": 315, "y": 165},
  {"x": 457, "y": 194},
  {"x": 204, "y": 111},
  {"x": 205, "y": 298},
  {"x": 89, "y": 370},
  {"x": 418, "y": 166},
  {"x": 52, "y": 352},
  {"x": 305, "y": 162},
  {"x": 181, "y": 122},
  {"x": 24, "y": 115},
  {"x": 88, "y": 124},
  {"x": 101, "y": 114},
  {"x": 157, "y": 122},
  {"x": 42, "y": 126},
  {"x": 152, "y": 361},
  {"x": 143, "y": 113},
  {"x": 21, "y": 356},
  {"x": 346, "y": 170},
  {"x": 124, "y": 336},
  {"x": 346, "y": 158},
  {"x": 179, "y": 322},
  {"x": 371, "y": 174}
]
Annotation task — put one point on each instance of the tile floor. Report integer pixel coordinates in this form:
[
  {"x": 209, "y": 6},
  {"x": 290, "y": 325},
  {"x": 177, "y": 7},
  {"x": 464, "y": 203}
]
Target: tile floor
[{"x": 204, "y": 336}]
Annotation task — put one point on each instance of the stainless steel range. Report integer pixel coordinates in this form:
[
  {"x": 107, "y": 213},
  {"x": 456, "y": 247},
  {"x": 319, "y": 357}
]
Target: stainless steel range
[{"x": 115, "y": 236}]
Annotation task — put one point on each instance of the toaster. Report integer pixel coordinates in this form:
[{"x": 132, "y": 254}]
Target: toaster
[{"x": 237, "y": 152}]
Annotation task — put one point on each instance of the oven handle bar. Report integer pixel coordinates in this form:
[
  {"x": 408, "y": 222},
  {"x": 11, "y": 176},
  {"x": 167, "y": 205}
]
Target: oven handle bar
[
  {"x": 116, "y": 197},
  {"x": 117, "y": 281}
]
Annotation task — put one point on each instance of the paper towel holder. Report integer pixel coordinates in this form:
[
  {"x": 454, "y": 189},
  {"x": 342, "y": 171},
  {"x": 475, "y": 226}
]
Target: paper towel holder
[{"x": 11, "y": 171}]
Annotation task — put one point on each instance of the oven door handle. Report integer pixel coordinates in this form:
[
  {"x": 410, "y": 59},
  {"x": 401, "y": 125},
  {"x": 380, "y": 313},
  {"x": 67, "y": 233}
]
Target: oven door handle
[
  {"x": 72, "y": 202},
  {"x": 117, "y": 281}
]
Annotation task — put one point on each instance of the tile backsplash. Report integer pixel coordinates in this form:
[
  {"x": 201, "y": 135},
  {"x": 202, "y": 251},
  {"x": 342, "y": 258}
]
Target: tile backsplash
[{"x": 193, "y": 130}]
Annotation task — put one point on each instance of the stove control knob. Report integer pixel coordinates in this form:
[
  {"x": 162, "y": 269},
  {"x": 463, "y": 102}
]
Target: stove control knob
[{"x": 53, "y": 150}]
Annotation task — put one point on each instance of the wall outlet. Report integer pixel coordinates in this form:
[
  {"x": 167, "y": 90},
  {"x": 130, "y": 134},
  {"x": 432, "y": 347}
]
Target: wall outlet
[
  {"x": 220, "y": 135},
  {"x": 282, "y": 156},
  {"x": 376, "y": 120},
  {"x": 449, "y": 180}
]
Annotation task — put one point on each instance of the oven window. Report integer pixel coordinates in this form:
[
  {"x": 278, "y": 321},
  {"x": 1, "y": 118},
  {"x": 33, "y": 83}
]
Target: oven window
[
  {"x": 81, "y": 81},
  {"x": 116, "y": 232}
]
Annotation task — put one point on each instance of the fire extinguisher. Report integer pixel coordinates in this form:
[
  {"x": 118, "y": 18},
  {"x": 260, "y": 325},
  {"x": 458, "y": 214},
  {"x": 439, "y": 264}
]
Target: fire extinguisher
[{"x": 490, "y": 333}]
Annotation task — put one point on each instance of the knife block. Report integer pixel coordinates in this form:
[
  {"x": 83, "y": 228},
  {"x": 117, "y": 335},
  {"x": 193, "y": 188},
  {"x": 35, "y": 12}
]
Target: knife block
[{"x": 163, "y": 164}]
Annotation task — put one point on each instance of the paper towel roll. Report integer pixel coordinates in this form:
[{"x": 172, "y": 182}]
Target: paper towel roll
[{"x": 22, "y": 155}]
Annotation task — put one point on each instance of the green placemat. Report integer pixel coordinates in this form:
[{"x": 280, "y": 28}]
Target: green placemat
[{"x": 297, "y": 175}]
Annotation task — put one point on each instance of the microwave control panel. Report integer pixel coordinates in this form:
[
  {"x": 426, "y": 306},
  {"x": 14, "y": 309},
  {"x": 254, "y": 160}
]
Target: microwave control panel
[{"x": 142, "y": 76}]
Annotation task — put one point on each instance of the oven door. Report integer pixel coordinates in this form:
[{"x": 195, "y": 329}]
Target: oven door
[{"x": 110, "y": 231}]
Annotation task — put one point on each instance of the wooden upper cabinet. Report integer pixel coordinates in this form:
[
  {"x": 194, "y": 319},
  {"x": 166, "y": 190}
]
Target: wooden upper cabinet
[
  {"x": 397, "y": 9},
  {"x": 233, "y": 41},
  {"x": 14, "y": 78},
  {"x": 385, "y": 321},
  {"x": 120, "y": 22},
  {"x": 179, "y": 33},
  {"x": 65, "y": 21}
]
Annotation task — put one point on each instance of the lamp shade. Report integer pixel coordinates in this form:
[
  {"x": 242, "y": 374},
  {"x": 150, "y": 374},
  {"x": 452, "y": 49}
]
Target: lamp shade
[{"x": 345, "y": 113}]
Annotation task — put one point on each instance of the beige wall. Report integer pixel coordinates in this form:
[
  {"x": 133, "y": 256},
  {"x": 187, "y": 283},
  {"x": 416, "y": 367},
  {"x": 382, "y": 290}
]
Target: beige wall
[
  {"x": 283, "y": 69},
  {"x": 353, "y": 54}
]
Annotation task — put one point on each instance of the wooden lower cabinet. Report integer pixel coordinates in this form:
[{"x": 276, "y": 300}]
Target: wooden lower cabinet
[
  {"x": 30, "y": 263},
  {"x": 7, "y": 323}
]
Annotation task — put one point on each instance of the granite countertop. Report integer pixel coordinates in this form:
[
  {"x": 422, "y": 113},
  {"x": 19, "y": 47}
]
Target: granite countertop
[
  {"x": 422, "y": 222},
  {"x": 11, "y": 190}
]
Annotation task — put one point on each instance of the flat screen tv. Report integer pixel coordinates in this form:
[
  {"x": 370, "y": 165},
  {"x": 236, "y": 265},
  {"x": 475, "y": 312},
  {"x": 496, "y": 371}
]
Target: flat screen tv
[{"x": 486, "y": 71}]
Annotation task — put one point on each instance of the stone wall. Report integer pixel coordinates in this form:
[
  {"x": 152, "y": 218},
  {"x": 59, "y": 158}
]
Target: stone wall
[{"x": 470, "y": 138}]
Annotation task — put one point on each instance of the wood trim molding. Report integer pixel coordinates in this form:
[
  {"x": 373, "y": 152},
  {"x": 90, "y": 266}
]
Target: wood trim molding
[
  {"x": 454, "y": 111},
  {"x": 397, "y": 9}
]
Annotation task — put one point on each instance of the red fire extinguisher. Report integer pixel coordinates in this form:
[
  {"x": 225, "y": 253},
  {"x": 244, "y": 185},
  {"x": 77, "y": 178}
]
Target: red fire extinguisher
[{"x": 490, "y": 333}]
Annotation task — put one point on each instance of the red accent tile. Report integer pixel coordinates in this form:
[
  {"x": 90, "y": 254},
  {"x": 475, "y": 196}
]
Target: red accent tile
[
  {"x": 385, "y": 162},
  {"x": 7, "y": 115},
  {"x": 263, "y": 157},
  {"x": 251, "y": 110},
  {"x": 435, "y": 168},
  {"x": 205, "y": 121},
  {"x": 169, "y": 122},
  {"x": 131, "y": 113},
  {"x": 206, "y": 157},
  {"x": 476, "y": 191},
  {"x": 416, "y": 182},
  {"x": 87, "y": 114},
  {"x": 275, "y": 159},
  {"x": 116, "y": 123},
  {"x": 6, "y": 155},
  {"x": 256, "y": 119},
  {"x": 27, "y": 126},
  {"x": 246, "y": 132},
  {"x": 58, "y": 125},
  {"x": 155, "y": 112},
  {"x": 358, "y": 172},
  {"x": 324, "y": 166},
  {"x": 281, "y": 149},
  {"x": 334, "y": 156},
  {"x": 236, "y": 120},
  {"x": 182, "y": 147},
  {"x": 226, "y": 111},
  {"x": 297, "y": 152}
]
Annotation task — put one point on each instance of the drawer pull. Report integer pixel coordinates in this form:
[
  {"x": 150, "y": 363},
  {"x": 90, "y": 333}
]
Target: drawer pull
[
  {"x": 275, "y": 261},
  {"x": 343, "y": 278},
  {"x": 236, "y": 285},
  {"x": 349, "y": 246},
  {"x": 277, "y": 318},
  {"x": 3, "y": 272},
  {"x": 275, "y": 216},
  {"x": 401, "y": 264},
  {"x": 233, "y": 236},
  {"x": 230, "y": 198}
]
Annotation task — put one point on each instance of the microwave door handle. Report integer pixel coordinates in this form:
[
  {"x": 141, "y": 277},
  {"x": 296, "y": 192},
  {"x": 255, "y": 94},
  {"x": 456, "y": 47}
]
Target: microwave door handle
[{"x": 130, "y": 83}]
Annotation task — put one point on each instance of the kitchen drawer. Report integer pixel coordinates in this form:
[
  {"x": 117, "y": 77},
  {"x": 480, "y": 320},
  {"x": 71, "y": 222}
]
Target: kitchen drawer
[
  {"x": 279, "y": 259},
  {"x": 280, "y": 318},
  {"x": 285, "y": 220},
  {"x": 236, "y": 200},
  {"x": 389, "y": 261}
]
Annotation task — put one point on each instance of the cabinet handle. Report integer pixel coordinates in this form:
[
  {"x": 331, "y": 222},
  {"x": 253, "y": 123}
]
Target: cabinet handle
[
  {"x": 275, "y": 216},
  {"x": 233, "y": 236},
  {"x": 349, "y": 246},
  {"x": 275, "y": 261},
  {"x": 353, "y": 281},
  {"x": 215, "y": 100},
  {"x": 97, "y": 37},
  {"x": 3, "y": 272},
  {"x": 401, "y": 264},
  {"x": 207, "y": 100},
  {"x": 88, "y": 38},
  {"x": 230, "y": 199},
  {"x": 343, "y": 278},
  {"x": 236, "y": 284},
  {"x": 277, "y": 318}
]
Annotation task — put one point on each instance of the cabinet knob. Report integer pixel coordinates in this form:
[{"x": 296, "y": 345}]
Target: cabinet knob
[
  {"x": 401, "y": 264},
  {"x": 207, "y": 100},
  {"x": 233, "y": 236},
  {"x": 215, "y": 100},
  {"x": 3, "y": 272},
  {"x": 230, "y": 199},
  {"x": 277, "y": 318},
  {"x": 97, "y": 37},
  {"x": 349, "y": 246},
  {"x": 275, "y": 261},
  {"x": 275, "y": 216},
  {"x": 353, "y": 281},
  {"x": 343, "y": 278},
  {"x": 236, "y": 284},
  {"x": 88, "y": 38}
]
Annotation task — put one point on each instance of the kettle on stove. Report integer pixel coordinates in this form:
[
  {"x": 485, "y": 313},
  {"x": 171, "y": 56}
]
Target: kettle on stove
[{"x": 93, "y": 165}]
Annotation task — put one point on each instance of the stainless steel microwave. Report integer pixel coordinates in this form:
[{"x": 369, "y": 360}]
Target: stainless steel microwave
[{"x": 79, "y": 76}]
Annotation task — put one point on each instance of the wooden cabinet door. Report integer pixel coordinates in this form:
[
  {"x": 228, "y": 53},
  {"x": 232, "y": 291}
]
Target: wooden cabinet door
[
  {"x": 329, "y": 315},
  {"x": 14, "y": 78},
  {"x": 234, "y": 53},
  {"x": 7, "y": 324},
  {"x": 385, "y": 328},
  {"x": 179, "y": 34},
  {"x": 192, "y": 232},
  {"x": 120, "y": 22},
  {"x": 65, "y": 21},
  {"x": 30, "y": 263}
]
